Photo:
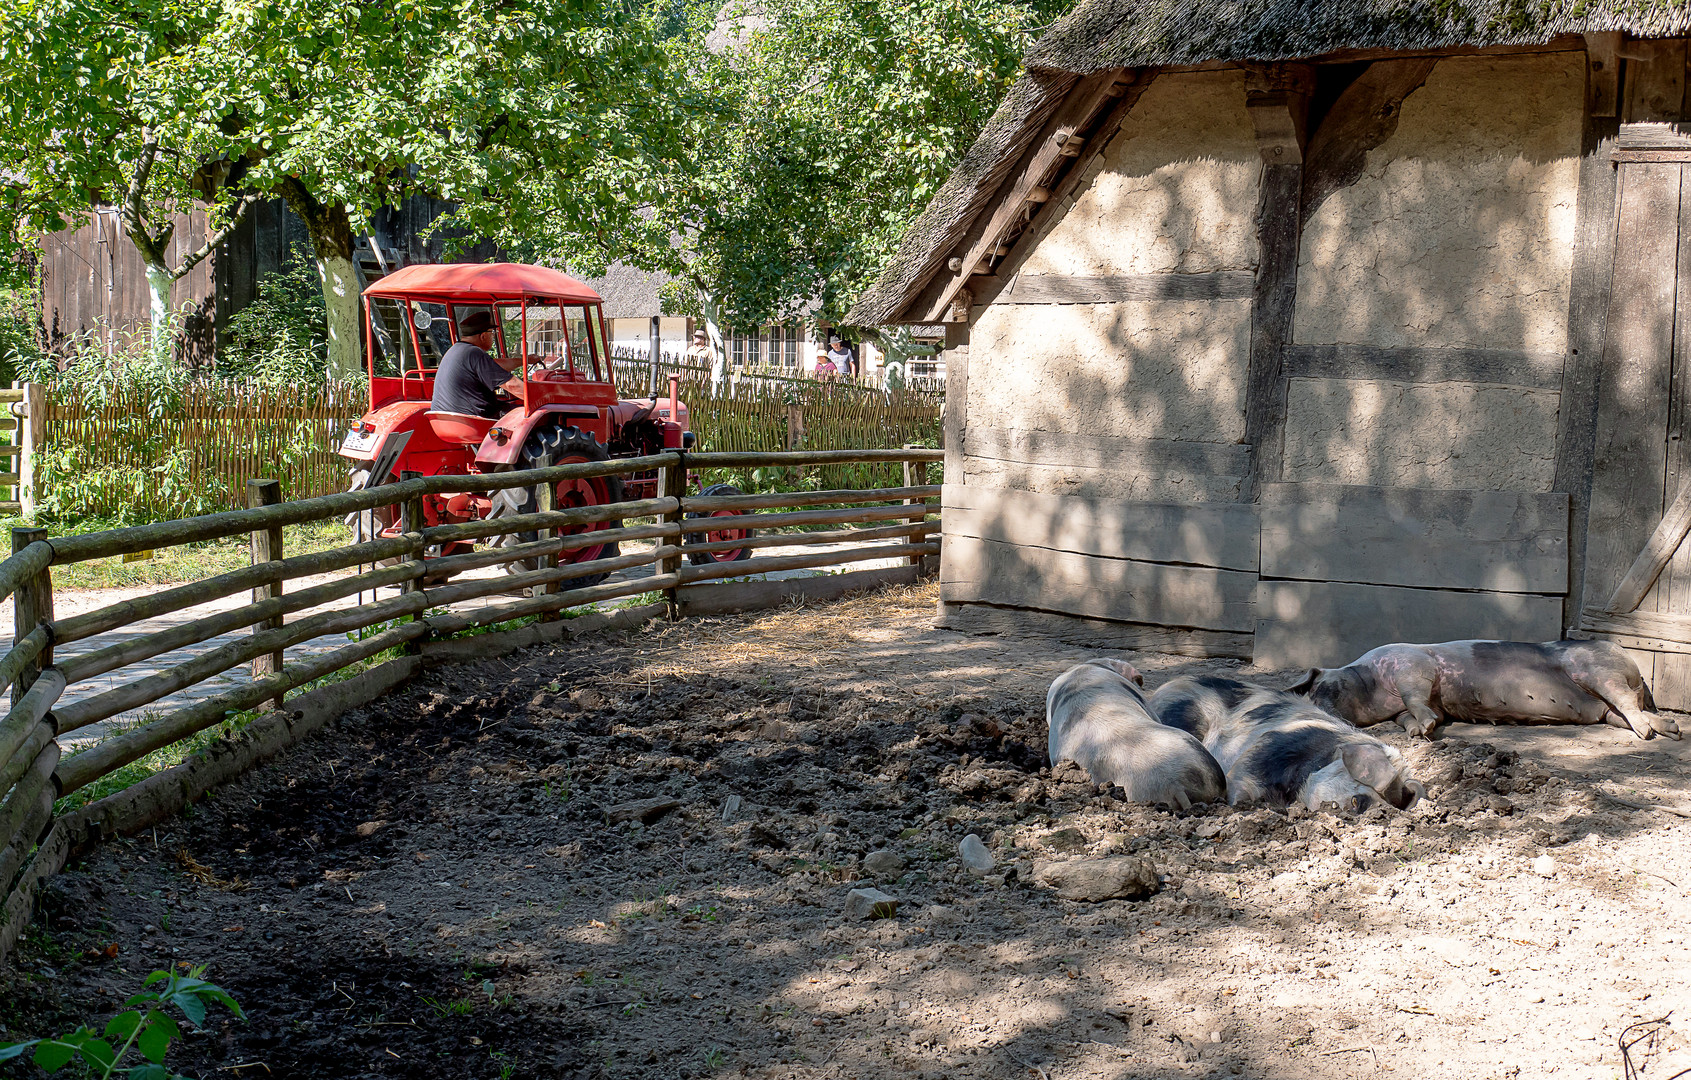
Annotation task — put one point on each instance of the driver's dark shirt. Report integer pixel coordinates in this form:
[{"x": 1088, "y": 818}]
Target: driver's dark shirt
[{"x": 468, "y": 381}]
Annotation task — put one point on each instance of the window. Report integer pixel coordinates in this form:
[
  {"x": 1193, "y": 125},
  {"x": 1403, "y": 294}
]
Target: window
[{"x": 790, "y": 352}]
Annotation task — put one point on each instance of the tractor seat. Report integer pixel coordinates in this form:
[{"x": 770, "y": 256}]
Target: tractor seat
[{"x": 460, "y": 428}]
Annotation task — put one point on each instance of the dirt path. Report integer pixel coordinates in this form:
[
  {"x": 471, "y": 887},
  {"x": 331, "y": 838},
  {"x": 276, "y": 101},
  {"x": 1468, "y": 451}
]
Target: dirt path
[{"x": 432, "y": 889}]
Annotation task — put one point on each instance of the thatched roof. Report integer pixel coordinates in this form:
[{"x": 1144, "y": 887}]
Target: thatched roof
[
  {"x": 629, "y": 293},
  {"x": 1105, "y": 34}
]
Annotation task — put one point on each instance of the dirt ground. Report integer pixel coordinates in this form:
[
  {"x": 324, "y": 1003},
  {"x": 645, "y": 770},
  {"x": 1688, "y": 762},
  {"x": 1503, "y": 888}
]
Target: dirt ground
[{"x": 432, "y": 888}]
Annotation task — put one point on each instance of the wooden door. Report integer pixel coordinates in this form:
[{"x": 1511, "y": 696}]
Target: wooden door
[{"x": 1638, "y": 565}]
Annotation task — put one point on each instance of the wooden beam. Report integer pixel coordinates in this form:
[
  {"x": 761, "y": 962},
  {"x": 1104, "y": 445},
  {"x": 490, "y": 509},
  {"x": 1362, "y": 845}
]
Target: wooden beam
[
  {"x": 1645, "y": 624},
  {"x": 1363, "y": 117},
  {"x": 1277, "y": 97},
  {"x": 955, "y": 416},
  {"x": 1304, "y": 624},
  {"x": 1655, "y": 80},
  {"x": 1021, "y": 623},
  {"x": 1628, "y": 453},
  {"x": 1273, "y": 298},
  {"x": 1653, "y": 135},
  {"x": 1122, "y": 288},
  {"x": 1125, "y": 590},
  {"x": 1154, "y": 456},
  {"x": 1220, "y": 534},
  {"x": 1588, "y": 317},
  {"x": 1509, "y": 367},
  {"x": 1078, "y": 109},
  {"x": 1602, "y": 73},
  {"x": 1660, "y": 548}
]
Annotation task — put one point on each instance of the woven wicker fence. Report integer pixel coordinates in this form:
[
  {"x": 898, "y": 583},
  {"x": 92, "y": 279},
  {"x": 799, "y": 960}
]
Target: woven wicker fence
[{"x": 142, "y": 454}]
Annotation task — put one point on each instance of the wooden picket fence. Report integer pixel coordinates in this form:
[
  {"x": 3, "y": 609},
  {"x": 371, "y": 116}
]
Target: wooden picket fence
[
  {"x": 151, "y": 455},
  {"x": 405, "y": 630}
]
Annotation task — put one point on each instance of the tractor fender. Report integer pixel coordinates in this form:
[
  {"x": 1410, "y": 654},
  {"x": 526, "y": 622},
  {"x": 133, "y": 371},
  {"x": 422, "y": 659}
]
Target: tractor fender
[
  {"x": 395, "y": 416},
  {"x": 505, "y": 442}
]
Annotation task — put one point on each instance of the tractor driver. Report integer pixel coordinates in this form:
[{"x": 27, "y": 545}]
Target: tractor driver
[{"x": 469, "y": 381}]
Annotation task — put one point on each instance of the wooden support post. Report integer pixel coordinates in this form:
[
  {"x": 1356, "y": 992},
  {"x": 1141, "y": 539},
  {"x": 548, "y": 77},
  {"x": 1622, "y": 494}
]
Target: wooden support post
[
  {"x": 915, "y": 474},
  {"x": 266, "y": 547},
  {"x": 412, "y": 522},
  {"x": 546, "y": 499},
  {"x": 672, "y": 484},
  {"x": 32, "y": 605},
  {"x": 32, "y": 436}
]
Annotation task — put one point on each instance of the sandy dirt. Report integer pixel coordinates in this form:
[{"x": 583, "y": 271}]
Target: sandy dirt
[{"x": 432, "y": 889}]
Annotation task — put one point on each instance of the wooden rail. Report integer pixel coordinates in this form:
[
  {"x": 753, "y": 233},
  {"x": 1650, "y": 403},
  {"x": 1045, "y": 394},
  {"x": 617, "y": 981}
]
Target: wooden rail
[{"x": 38, "y": 768}]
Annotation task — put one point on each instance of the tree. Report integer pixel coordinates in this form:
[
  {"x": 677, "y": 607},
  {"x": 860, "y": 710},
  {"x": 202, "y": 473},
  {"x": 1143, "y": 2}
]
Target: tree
[
  {"x": 339, "y": 108},
  {"x": 95, "y": 108},
  {"x": 342, "y": 108},
  {"x": 812, "y": 132}
]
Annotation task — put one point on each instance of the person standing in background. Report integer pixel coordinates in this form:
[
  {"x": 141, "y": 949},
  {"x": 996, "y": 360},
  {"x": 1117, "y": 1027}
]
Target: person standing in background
[
  {"x": 845, "y": 361},
  {"x": 699, "y": 351}
]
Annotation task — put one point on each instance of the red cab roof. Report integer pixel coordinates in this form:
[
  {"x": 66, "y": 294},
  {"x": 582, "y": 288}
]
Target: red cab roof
[{"x": 481, "y": 282}]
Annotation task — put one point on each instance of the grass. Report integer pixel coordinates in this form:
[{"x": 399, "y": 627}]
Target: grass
[
  {"x": 190, "y": 562},
  {"x": 166, "y": 757}
]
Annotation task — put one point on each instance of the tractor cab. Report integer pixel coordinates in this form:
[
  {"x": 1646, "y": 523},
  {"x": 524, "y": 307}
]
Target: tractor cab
[{"x": 559, "y": 406}]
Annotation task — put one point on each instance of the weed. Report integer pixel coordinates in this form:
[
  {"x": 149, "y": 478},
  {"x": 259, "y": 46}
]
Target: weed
[
  {"x": 715, "y": 1058},
  {"x": 143, "y": 1026},
  {"x": 445, "y": 1009},
  {"x": 507, "y": 1069}
]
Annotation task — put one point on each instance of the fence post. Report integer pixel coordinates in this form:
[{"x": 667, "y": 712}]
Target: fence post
[
  {"x": 412, "y": 520},
  {"x": 32, "y": 605},
  {"x": 915, "y": 475},
  {"x": 672, "y": 483},
  {"x": 546, "y": 500},
  {"x": 32, "y": 436},
  {"x": 266, "y": 547}
]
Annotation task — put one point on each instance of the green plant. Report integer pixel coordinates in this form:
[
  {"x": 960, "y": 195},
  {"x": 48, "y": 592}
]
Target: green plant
[
  {"x": 715, "y": 1058},
  {"x": 143, "y": 1026},
  {"x": 445, "y": 1009},
  {"x": 280, "y": 337}
]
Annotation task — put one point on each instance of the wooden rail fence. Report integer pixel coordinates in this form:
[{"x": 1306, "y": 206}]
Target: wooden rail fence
[{"x": 38, "y": 833}]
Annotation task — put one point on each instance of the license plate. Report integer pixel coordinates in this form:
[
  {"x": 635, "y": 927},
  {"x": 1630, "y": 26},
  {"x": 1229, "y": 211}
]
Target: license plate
[{"x": 360, "y": 443}]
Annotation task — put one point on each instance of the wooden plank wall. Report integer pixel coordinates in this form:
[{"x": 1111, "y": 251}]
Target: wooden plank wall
[
  {"x": 94, "y": 284},
  {"x": 1345, "y": 569},
  {"x": 1180, "y": 576}
]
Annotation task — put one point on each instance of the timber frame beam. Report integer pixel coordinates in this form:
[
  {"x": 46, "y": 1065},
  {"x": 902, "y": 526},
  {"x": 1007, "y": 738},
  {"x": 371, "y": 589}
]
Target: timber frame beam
[{"x": 1065, "y": 145}]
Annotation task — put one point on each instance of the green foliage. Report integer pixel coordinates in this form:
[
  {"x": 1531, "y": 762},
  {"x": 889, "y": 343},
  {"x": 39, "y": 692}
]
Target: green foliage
[
  {"x": 811, "y": 132},
  {"x": 279, "y": 338},
  {"x": 144, "y": 1026},
  {"x": 20, "y": 331}
]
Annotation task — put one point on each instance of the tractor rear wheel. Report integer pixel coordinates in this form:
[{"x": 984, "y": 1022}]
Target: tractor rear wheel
[
  {"x": 558, "y": 445},
  {"x": 705, "y": 558}
]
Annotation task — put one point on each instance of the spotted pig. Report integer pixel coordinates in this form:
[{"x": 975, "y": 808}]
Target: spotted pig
[
  {"x": 1490, "y": 682},
  {"x": 1098, "y": 719}
]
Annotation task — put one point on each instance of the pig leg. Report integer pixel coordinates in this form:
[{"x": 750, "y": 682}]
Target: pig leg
[
  {"x": 1418, "y": 717},
  {"x": 1624, "y": 711}
]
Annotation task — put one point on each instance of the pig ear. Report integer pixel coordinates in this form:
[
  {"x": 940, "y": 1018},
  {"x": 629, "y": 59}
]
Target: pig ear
[
  {"x": 1306, "y": 684},
  {"x": 1122, "y": 668},
  {"x": 1369, "y": 764}
]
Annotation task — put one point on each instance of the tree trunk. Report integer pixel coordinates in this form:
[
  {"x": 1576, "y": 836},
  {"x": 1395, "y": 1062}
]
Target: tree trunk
[
  {"x": 331, "y": 241},
  {"x": 718, "y": 350},
  {"x": 159, "y": 282}
]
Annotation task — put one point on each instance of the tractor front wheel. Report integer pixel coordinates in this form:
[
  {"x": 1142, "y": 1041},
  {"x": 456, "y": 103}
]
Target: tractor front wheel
[{"x": 705, "y": 558}]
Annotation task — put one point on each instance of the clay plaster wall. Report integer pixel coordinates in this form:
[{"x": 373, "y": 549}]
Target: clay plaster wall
[
  {"x": 1171, "y": 370},
  {"x": 1175, "y": 191},
  {"x": 1459, "y": 233},
  {"x": 1438, "y": 435}
]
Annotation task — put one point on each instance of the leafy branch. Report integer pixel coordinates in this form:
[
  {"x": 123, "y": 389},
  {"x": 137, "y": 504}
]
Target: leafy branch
[{"x": 144, "y": 1026}]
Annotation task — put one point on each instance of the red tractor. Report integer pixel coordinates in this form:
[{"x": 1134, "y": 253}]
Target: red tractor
[{"x": 567, "y": 409}]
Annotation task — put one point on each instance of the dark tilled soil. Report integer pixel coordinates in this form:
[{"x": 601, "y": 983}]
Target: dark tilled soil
[{"x": 433, "y": 888}]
